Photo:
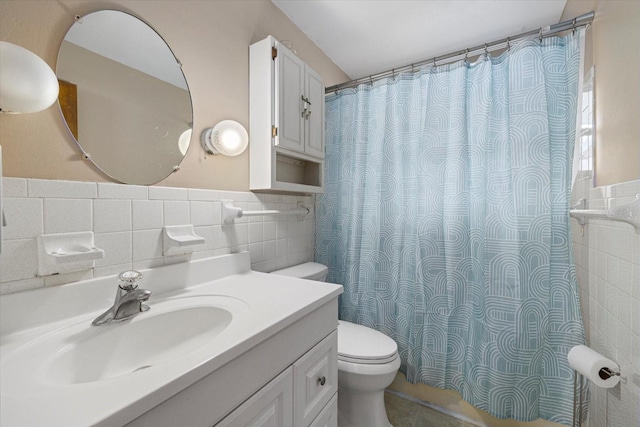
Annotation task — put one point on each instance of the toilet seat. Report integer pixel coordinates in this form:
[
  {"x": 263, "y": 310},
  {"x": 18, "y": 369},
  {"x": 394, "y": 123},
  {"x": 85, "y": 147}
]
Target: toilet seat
[
  {"x": 362, "y": 345},
  {"x": 367, "y": 361}
]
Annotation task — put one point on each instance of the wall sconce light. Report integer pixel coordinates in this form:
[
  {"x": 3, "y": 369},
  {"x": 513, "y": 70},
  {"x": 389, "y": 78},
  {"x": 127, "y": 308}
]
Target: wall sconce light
[
  {"x": 228, "y": 137},
  {"x": 27, "y": 83}
]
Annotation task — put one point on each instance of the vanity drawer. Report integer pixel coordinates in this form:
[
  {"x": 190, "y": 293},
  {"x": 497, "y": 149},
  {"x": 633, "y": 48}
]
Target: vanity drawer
[{"x": 315, "y": 380}]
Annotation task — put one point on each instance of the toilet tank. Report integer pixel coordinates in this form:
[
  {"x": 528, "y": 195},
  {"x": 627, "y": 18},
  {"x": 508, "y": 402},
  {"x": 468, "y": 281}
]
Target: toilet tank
[{"x": 308, "y": 270}]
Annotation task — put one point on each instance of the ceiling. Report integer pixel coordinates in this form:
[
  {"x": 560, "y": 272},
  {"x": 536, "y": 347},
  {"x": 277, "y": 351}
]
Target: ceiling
[{"x": 365, "y": 37}]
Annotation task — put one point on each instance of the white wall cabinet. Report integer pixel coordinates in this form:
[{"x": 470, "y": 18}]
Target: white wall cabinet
[
  {"x": 286, "y": 121},
  {"x": 305, "y": 394}
]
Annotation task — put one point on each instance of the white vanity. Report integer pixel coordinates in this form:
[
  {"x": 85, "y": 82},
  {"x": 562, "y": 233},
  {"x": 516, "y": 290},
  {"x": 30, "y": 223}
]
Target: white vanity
[{"x": 221, "y": 345}]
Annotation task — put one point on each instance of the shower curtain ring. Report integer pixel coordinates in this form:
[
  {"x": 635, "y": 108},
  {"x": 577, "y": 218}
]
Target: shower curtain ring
[
  {"x": 434, "y": 62},
  {"x": 466, "y": 55},
  {"x": 508, "y": 43},
  {"x": 486, "y": 49},
  {"x": 575, "y": 20},
  {"x": 540, "y": 34}
]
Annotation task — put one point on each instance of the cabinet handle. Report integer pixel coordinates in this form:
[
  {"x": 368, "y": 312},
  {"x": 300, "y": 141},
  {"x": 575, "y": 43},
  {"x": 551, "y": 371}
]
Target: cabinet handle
[{"x": 322, "y": 380}]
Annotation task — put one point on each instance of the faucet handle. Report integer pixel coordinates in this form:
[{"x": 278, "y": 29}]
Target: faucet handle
[{"x": 129, "y": 279}]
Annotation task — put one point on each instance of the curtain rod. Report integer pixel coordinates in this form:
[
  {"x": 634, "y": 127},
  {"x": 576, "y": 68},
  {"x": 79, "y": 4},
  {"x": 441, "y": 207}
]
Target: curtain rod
[{"x": 548, "y": 31}]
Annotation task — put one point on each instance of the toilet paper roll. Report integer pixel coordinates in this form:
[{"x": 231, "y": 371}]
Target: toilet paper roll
[{"x": 589, "y": 363}]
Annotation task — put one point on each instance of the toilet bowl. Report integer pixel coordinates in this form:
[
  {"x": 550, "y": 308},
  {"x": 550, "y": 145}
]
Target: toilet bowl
[{"x": 367, "y": 363}]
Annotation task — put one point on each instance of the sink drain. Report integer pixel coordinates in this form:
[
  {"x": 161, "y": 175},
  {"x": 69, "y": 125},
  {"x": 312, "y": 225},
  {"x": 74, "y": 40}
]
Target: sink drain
[{"x": 141, "y": 368}]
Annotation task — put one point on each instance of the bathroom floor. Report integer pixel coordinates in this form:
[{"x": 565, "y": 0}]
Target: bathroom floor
[{"x": 407, "y": 413}]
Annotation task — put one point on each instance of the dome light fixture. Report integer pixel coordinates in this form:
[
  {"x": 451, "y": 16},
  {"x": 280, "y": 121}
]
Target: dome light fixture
[
  {"x": 228, "y": 137},
  {"x": 184, "y": 141},
  {"x": 27, "y": 83}
]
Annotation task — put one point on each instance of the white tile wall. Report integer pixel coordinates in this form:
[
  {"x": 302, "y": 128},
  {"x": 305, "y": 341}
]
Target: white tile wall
[
  {"x": 111, "y": 215},
  {"x": 67, "y": 215},
  {"x": 127, "y": 221},
  {"x": 118, "y": 191},
  {"x": 176, "y": 212},
  {"x": 147, "y": 214},
  {"x": 607, "y": 256},
  {"x": 61, "y": 189}
]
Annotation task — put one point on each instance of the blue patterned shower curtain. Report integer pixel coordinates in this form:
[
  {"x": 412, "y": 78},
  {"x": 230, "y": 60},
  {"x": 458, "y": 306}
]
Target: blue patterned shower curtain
[{"x": 445, "y": 217}]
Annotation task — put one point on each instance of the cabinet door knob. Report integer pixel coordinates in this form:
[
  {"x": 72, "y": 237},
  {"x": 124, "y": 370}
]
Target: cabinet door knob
[{"x": 322, "y": 380}]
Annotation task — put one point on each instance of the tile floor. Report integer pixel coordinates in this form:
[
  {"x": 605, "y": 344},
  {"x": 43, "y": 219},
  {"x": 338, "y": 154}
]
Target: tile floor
[{"x": 407, "y": 413}]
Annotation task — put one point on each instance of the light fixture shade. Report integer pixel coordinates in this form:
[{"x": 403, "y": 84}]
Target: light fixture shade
[
  {"x": 27, "y": 83},
  {"x": 184, "y": 141},
  {"x": 228, "y": 137}
]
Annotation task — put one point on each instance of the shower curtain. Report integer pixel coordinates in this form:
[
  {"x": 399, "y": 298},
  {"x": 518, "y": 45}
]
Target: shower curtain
[{"x": 445, "y": 217}]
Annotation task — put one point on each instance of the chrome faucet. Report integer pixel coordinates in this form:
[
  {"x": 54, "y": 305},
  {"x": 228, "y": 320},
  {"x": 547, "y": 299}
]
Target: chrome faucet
[{"x": 128, "y": 302}]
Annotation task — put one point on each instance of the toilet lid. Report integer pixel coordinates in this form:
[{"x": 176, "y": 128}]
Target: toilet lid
[
  {"x": 307, "y": 270},
  {"x": 361, "y": 344}
]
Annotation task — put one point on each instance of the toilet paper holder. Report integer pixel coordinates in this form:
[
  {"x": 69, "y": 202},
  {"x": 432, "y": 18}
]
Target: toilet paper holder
[
  {"x": 578, "y": 384},
  {"x": 606, "y": 373}
]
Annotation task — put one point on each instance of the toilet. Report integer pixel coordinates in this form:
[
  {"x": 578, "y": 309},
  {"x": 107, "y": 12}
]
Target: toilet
[{"x": 367, "y": 363}]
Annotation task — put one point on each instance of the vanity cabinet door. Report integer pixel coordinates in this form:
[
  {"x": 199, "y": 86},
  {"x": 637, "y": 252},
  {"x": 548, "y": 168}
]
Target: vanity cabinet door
[
  {"x": 269, "y": 407},
  {"x": 315, "y": 380},
  {"x": 329, "y": 415}
]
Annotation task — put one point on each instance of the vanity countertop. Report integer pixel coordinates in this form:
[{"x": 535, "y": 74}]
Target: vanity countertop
[{"x": 32, "y": 393}]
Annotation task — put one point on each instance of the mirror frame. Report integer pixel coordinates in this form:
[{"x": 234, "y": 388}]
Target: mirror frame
[{"x": 73, "y": 129}]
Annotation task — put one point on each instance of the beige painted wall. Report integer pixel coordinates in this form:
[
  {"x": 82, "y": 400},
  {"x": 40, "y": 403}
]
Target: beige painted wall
[
  {"x": 613, "y": 46},
  {"x": 211, "y": 39}
]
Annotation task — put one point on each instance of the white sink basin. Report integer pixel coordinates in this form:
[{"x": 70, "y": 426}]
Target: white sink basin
[
  {"x": 82, "y": 353},
  {"x": 109, "y": 351}
]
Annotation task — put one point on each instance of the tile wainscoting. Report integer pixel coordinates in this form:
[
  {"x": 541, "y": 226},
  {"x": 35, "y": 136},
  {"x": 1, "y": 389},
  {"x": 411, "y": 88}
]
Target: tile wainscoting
[
  {"x": 127, "y": 222},
  {"x": 607, "y": 257}
]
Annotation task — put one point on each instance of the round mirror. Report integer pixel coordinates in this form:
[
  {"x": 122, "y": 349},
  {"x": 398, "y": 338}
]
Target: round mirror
[{"x": 124, "y": 97}]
